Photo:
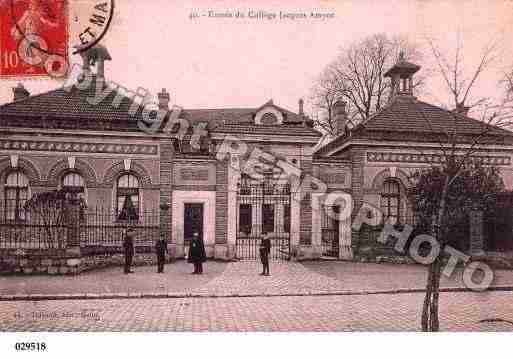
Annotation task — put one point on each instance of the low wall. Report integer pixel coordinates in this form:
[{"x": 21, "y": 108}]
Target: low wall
[{"x": 68, "y": 263}]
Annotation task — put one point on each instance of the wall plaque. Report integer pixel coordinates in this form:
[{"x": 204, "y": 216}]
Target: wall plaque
[{"x": 195, "y": 174}]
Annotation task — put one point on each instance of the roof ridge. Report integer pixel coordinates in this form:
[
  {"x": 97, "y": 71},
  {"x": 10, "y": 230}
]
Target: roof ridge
[
  {"x": 29, "y": 97},
  {"x": 219, "y": 109}
]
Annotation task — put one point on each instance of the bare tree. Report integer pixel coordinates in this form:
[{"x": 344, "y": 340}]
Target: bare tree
[
  {"x": 458, "y": 158},
  {"x": 458, "y": 81},
  {"x": 507, "y": 81},
  {"x": 356, "y": 76}
]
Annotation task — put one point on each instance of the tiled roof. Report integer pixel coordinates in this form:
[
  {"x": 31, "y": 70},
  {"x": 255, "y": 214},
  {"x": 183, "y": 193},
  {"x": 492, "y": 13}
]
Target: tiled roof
[
  {"x": 406, "y": 115},
  {"x": 283, "y": 130},
  {"x": 61, "y": 103},
  {"x": 233, "y": 116},
  {"x": 403, "y": 66},
  {"x": 72, "y": 109}
]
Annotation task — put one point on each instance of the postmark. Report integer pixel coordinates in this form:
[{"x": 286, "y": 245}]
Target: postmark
[
  {"x": 37, "y": 36},
  {"x": 90, "y": 22}
]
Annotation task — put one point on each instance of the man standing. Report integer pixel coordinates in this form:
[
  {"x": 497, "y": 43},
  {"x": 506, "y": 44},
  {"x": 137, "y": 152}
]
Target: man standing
[
  {"x": 161, "y": 248},
  {"x": 128, "y": 245},
  {"x": 265, "y": 250},
  {"x": 197, "y": 253}
]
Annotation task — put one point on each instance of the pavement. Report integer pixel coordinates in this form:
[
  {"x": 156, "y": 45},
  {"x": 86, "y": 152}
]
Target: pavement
[
  {"x": 306, "y": 296},
  {"x": 459, "y": 311},
  {"x": 234, "y": 279}
]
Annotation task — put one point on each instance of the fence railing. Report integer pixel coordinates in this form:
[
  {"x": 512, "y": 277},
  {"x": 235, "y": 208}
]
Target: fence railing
[
  {"x": 95, "y": 230},
  {"x": 101, "y": 231},
  {"x": 23, "y": 229}
]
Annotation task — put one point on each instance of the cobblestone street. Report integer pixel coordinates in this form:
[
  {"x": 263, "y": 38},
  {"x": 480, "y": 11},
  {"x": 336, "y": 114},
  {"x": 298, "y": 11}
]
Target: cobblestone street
[
  {"x": 382, "y": 312},
  {"x": 238, "y": 278},
  {"x": 313, "y": 296}
]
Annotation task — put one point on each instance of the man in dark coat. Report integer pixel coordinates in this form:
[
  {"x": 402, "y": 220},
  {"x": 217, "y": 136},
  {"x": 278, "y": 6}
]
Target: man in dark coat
[
  {"x": 128, "y": 246},
  {"x": 161, "y": 249},
  {"x": 265, "y": 250},
  {"x": 197, "y": 253}
]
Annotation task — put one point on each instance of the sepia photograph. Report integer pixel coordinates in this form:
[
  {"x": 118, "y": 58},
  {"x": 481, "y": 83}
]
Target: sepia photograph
[{"x": 278, "y": 167}]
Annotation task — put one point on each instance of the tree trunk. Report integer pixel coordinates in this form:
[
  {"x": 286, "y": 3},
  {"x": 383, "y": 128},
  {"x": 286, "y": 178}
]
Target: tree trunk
[{"x": 430, "y": 322}]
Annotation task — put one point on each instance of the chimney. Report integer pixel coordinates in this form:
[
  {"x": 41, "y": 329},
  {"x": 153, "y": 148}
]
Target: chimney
[
  {"x": 20, "y": 92},
  {"x": 163, "y": 99},
  {"x": 461, "y": 109},
  {"x": 301, "y": 104},
  {"x": 339, "y": 117}
]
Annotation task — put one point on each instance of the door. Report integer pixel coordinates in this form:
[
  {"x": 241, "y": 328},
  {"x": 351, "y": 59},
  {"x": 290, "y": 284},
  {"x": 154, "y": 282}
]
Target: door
[{"x": 192, "y": 221}]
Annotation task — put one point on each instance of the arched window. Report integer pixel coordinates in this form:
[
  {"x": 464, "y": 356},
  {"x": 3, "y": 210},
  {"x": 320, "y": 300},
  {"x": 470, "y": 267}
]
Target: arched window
[
  {"x": 73, "y": 183},
  {"x": 16, "y": 194},
  {"x": 127, "y": 195},
  {"x": 391, "y": 200}
]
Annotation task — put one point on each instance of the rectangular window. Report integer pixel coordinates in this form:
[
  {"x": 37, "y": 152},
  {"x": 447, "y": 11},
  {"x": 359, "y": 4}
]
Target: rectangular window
[
  {"x": 245, "y": 218},
  {"x": 268, "y": 218}
]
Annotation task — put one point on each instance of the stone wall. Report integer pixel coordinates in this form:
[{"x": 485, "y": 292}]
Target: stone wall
[{"x": 67, "y": 264}]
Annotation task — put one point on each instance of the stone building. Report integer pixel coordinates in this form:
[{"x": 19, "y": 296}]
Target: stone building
[
  {"x": 382, "y": 152},
  {"x": 205, "y": 179}
]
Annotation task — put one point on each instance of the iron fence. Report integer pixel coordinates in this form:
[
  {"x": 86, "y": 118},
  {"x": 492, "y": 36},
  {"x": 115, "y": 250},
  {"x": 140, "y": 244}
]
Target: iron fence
[
  {"x": 263, "y": 208},
  {"x": 248, "y": 248},
  {"x": 102, "y": 232},
  {"x": 329, "y": 242},
  {"x": 24, "y": 229},
  {"x": 95, "y": 230}
]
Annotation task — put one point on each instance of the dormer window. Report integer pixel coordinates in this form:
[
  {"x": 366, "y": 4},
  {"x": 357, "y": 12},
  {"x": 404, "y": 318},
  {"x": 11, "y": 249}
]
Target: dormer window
[
  {"x": 269, "y": 118},
  {"x": 268, "y": 115}
]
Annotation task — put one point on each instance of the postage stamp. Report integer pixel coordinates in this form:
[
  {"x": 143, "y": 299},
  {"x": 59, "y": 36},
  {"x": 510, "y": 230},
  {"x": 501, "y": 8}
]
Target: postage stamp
[
  {"x": 37, "y": 36},
  {"x": 33, "y": 37}
]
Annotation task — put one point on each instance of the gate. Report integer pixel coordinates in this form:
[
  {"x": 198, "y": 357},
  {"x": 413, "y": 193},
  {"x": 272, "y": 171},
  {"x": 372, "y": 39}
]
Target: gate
[
  {"x": 498, "y": 224},
  {"x": 263, "y": 207},
  {"x": 330, "y": 231}
]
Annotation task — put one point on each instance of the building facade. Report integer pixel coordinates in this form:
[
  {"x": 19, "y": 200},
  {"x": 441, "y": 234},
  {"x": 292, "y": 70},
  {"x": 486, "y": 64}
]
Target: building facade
[{"x": 219, "y": 172}]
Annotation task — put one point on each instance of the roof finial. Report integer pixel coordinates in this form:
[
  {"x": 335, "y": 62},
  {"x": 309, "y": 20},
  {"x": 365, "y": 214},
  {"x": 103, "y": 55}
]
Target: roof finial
[
  {"x": 95, "y": 55},
  {"x": 401, "y": 56}
]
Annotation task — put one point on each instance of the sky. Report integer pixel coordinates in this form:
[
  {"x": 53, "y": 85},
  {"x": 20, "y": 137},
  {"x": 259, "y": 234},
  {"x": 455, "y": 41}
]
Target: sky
[{"x": 212, "y": 62}]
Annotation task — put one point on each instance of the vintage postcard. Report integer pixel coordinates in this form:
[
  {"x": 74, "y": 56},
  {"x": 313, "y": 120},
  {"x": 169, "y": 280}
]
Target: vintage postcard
[{"x": 255, "y": 166}]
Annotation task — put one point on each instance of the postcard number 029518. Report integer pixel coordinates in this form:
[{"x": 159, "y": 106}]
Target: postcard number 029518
[{"x": 30, "y": 346}]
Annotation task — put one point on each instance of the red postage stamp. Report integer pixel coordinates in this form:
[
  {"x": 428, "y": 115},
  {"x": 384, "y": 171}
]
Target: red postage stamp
[{"x": 33, "y": 37}]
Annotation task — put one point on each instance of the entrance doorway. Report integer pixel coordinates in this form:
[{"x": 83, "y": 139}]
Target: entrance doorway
[
  {"x": 263, "y": 207},
  {"x": 192, "y": 221}
]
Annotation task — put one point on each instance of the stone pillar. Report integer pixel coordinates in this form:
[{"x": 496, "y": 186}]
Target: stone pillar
[
  {"x": 305, "y": 221},
  {"x": 316, "y": 225},
  {"x": 233, "y": 210},
  {"x": 221, "y": 231},
  {"x": 166, "y": 183},
  {"x": 476, "y": 232},
  {"x": 357, "y": 183},
  {"x": 73, "y": 228}
]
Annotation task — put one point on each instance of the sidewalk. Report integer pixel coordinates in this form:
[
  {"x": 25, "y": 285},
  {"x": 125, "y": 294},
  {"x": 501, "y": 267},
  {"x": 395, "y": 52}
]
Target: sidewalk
[{"x": 234, "y": 279}]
